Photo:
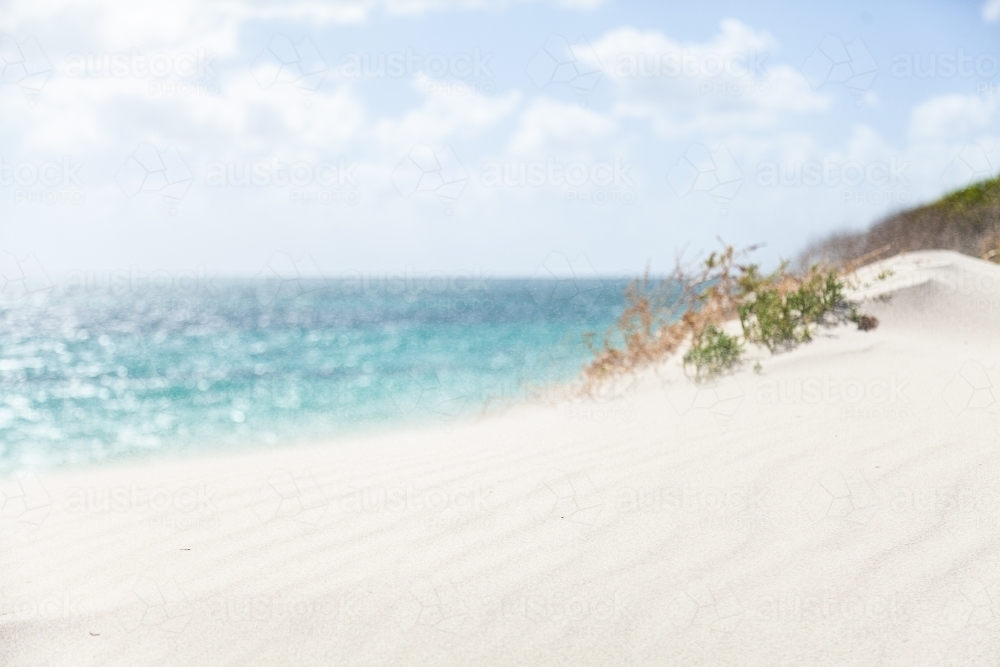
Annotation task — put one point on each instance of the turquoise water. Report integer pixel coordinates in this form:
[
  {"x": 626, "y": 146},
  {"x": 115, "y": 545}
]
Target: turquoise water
[{"x": 90, "y": 375}]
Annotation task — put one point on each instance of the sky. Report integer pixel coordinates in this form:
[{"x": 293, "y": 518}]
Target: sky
[{"x": 478, "y": 137}]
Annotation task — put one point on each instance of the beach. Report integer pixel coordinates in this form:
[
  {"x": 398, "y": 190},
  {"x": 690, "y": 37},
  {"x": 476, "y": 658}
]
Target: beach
[{"x": 841, "y": 506}]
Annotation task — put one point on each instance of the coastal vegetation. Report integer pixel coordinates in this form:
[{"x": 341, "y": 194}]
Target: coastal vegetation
[
  {"x": 723, "y": 304},
  {"x": 966, "y": 220},
  {"x": 716, "y": 309}
]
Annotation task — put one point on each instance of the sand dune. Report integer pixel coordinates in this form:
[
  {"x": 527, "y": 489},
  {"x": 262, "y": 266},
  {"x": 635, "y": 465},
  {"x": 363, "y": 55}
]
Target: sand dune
[{"x": 842, "y": 507}]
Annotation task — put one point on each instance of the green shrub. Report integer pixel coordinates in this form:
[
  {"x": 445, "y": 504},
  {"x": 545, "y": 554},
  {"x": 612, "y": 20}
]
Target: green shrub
[
  {"x": 780, "y": 311},
  {"x": 713, "y": 352}
]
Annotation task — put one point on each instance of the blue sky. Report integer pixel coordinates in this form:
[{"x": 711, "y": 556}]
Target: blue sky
[{"x": 216, "y": 136}]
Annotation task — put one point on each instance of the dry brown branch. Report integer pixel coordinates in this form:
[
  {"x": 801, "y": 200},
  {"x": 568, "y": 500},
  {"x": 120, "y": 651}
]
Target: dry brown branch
[{"x": 661, "y": 315}]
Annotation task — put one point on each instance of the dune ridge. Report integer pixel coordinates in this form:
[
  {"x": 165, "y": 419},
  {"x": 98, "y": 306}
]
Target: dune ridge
[{"x": 841, "y": 507}]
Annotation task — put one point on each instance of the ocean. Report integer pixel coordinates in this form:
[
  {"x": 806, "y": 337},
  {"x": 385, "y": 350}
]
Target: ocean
[{"x": 94, "y": 373}]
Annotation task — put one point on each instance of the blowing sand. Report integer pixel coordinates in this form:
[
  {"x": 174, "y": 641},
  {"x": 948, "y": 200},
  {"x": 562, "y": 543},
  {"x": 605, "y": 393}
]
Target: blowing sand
[{"x": 842, "y": 507}]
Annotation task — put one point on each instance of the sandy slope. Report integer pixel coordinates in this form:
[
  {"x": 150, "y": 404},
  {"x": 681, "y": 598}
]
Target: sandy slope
[{"x": 841, "y": 508}]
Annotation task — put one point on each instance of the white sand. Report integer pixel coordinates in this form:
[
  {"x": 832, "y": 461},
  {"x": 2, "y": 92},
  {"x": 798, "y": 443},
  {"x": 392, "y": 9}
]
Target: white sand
[{"x": 841, "y": 508}]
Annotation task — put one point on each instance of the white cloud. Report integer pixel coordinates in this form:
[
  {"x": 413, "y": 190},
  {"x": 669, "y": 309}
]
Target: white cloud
[
  {"x": 951, "y": 116},
  {"x": 121, "y": 24},
  {"x": 443, "y": 116},
  {"x": 991, "y": 11},
  {"x": 581, "y": 4},
  {"x": 77, "y": 115},
  {"x": 148, "y": 21},
  {"x": 725, "y": 83},
  {"x": 548, "y": 126},
  {"x": 423, "y": 6},
  {"x": 730, "y": 52}
]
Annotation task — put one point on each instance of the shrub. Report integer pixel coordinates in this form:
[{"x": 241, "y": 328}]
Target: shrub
[
  {"x": 777, "y": 310},
  {"x": 713, "y": 352},
  {"x": 780, "y": 311}
]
